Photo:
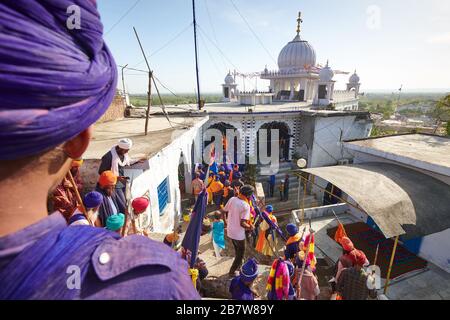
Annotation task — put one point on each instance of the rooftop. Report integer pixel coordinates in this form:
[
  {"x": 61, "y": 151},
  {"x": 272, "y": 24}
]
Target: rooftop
[
  {"x": 429, "y": 152},
  {"x": 235, "y": 108},
  {"x": 160, "y": 134}
]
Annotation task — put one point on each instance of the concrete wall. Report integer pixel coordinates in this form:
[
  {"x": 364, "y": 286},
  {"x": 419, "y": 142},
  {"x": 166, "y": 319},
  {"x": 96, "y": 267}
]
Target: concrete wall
[
  {"x": 436, "y": 249},
  {"x": 324, "y": 211},
  {"x": 330, "y": 132}
]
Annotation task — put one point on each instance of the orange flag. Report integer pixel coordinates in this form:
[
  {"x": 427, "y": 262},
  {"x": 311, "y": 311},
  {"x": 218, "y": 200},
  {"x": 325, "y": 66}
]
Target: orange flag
[{"x": 340, "y": 233}]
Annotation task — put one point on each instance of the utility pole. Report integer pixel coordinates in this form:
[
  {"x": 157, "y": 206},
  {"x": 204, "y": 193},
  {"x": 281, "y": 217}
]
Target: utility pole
[
  {"x": 150, "y": 76},
  {"x": 123, "y": 84},
  {"x": 196, "y": 55}
]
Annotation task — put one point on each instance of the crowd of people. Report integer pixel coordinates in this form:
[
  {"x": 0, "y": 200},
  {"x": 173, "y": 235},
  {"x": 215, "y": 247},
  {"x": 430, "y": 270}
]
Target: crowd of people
[{"x": 106, "y": 206}]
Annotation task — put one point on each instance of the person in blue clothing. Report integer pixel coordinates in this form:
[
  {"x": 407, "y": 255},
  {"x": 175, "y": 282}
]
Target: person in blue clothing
[
  {"x": 47, "y": 106},
  {"x": 272, "y": 182},
  {"x": 218, "y": 233},
  {"x": 241, "y": 286}
]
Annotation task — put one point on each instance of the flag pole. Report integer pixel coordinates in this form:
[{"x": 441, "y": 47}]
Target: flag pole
[
  {"x": 390, "y": 264},
  {"x": 304, "y": 265},
  {"x": 376, "y": 256},
  {"x": 79, "y": 200}
]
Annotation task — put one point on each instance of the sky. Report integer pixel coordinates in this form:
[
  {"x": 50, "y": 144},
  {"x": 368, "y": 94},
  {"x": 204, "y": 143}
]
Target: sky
[{"x": 389, "y": 43}]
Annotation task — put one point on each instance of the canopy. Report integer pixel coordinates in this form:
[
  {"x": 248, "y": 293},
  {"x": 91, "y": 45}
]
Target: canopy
[{"x": 400, "y": 200}]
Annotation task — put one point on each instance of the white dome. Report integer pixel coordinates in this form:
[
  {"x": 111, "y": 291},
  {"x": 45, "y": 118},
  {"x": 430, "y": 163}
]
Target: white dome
[
  {"x": 326, "y": 74},
  {"x": 229, "y": 79},
  {"x": 354, "y": 78},
  {"x": 297, "y": 54}
]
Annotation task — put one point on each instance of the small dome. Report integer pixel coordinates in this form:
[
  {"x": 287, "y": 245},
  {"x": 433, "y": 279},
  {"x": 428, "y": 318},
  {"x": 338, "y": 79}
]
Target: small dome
[
  {"x": 297, "y": 54},
  {"x": 326, "y": 74},
  {"x": 229, "y": 79},
  {"x": 354, "y": 78}
]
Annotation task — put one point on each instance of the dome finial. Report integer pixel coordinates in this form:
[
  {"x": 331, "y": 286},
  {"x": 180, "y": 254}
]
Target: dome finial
[
  {"x": 299, "y": 21},
  {"x": 327, "y": 63}
]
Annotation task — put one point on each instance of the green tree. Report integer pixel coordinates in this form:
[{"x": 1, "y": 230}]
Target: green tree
[{"x": 441, "y": 112}]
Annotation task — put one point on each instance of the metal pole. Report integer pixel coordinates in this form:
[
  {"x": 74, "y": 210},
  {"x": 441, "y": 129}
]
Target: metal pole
[
  {"x": 150, "y": 75},
  {"x": 390, "y": 264},
  {"x": 196, "y": 55},
  {"x": 376, "y": 255},
  {"x": 303, "y": 201},
  {"x": 123, "y": 83}
]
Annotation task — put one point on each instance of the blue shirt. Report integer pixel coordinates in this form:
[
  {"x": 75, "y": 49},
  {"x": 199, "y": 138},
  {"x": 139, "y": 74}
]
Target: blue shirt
[
  {"x": 239, "y": 291},
  {"x": 40, "y": 261}
]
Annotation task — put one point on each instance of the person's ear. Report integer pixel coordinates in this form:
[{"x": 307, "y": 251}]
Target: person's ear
[{"x": 75, "y": 147}]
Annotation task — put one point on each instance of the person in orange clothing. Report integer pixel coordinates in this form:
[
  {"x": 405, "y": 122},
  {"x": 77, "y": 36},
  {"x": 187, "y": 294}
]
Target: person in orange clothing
[
  {"x": 266, "y": 236},
  {"x": 216, "y": 189}
]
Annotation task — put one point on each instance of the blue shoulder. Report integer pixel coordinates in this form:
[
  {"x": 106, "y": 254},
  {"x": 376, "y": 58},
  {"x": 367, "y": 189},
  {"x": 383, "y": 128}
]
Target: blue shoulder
[{"x": 136, "y": 267}]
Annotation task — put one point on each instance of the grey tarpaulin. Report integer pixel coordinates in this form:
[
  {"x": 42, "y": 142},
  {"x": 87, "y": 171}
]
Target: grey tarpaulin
[{"x": 400, "y": 200}]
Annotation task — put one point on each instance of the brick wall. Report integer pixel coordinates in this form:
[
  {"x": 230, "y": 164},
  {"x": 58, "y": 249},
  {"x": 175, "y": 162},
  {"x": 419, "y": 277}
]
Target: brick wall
[{"x": 116, "y": 110}]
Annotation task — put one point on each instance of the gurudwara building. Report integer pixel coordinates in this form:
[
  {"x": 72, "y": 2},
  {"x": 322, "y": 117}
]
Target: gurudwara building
[{"x": 301, "y": 102}]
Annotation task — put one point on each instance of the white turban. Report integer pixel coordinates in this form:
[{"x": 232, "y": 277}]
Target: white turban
[{"x": 125, "y": 144}]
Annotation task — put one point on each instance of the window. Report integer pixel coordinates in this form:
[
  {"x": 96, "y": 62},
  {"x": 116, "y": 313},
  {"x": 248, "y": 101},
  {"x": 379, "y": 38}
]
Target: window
[
  {"x": 163, "y": 195},
  {"x": 322, "y": 92}
]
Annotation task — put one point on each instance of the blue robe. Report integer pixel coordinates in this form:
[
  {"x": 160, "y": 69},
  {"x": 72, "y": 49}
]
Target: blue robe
[
  {"x": 239, "y": 291},
  {"x": 43, "y": 260},
  {"x": 105, "y": 209}
]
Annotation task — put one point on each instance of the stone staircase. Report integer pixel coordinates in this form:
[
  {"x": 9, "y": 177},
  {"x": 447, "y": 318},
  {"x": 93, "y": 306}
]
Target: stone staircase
[{"x": 293, "y": 202}]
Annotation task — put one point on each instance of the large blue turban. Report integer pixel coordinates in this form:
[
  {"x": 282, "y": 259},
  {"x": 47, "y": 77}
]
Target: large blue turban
[{"x": 55, "y": 81}]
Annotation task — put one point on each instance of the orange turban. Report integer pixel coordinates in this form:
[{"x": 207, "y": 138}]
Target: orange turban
[
  {"x": 107, "y": 178},
  {"x": 358, "y": 257},
  {"x": 347, "y": 244}
]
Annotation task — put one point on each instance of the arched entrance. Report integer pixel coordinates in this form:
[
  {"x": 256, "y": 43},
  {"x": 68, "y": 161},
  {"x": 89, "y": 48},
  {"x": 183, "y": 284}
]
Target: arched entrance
[
  {"x": 284, "y": 139},
  {"x": 223, "y": 127},
  {"x": 182, "y": 174}
]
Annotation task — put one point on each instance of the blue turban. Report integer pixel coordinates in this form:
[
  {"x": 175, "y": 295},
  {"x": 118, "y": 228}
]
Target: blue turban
[
  {"x": 54, "y": 81},
  {"x": 249, "y": 270},
  {"x": 292, "y": 229},
  {"x": 115, "y": 222},
  {"x": 269, "y": 208},
  {"x": 92, "y": 199}
]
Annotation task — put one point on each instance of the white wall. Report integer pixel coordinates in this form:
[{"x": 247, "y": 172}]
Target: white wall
[
  {"x": 162, "y": 165},
  {"x": 329, "y": 133},
  {"x": 436, "y": 249}
]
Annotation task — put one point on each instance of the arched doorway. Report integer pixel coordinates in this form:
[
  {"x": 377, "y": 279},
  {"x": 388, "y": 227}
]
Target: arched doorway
[
  {"x": 182, "y": 174},
  {"x": 284, "y": 139},
  {"x": 223, "y": 127}
]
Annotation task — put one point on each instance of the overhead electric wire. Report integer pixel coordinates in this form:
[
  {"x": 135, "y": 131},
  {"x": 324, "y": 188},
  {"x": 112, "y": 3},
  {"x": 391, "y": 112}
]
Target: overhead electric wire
[
  {"x": 165, "y": 44},
  {"x": 214, "y": 31},
  {"x": 122, "y": 17},
  {"x": 216, "y": 46},
  {"x": 252, "y": 31},
  {"x": 210, "y": 56}
]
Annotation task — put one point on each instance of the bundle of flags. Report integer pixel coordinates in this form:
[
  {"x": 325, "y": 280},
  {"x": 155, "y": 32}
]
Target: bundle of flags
[
  {"x": 264, "y": 215},
  {"x": 308, "y": 247},
  {"x": 279, "y": 279},
  {"x": 192, "y": 237},
  {"x": 340, "y": 233}
]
